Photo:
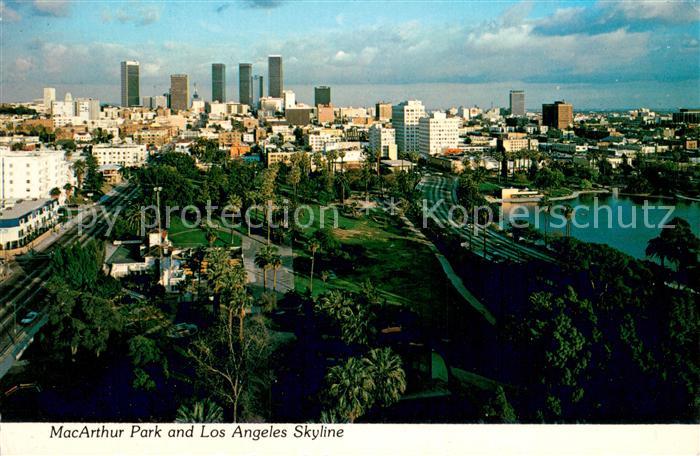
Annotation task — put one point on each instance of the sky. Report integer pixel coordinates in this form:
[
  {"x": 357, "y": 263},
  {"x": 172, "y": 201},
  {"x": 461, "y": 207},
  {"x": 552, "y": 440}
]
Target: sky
[{"x": 597, "y": 55}]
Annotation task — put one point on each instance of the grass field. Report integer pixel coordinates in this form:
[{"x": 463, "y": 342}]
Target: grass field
[
  {"x": 183, "y": 236},
  {"x": 402, "y": 267}
]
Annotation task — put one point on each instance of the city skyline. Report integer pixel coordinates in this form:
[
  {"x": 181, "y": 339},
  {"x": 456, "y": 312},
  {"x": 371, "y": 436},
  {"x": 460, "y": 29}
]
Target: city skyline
[{"x": 445, "y": 56}]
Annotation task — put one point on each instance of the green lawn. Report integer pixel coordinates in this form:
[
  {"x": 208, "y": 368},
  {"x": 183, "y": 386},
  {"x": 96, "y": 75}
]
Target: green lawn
[
  {"x": 402, "y": 267},
  {"x": 183, "y": 236}
]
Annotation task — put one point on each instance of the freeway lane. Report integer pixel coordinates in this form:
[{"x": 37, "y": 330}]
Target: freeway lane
[
  {"x": 24, "y": 291},
  {"x": 498, "y": 246}
]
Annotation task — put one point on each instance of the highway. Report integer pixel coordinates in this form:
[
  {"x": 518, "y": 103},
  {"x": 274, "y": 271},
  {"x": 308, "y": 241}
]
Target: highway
[
  {"x": 499, "y": 247},
  {"x": 24, "y": 290}
]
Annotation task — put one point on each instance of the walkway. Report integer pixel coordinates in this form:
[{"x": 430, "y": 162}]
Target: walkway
[{"x": 451, "y": 274}]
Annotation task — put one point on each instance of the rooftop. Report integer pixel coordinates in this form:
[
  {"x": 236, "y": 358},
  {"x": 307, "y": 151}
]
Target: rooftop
[{"x": 12, "y": 209}]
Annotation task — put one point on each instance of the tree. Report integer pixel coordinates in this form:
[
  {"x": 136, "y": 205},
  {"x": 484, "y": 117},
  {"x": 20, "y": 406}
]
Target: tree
[
  {"x": 80, "y": 320},
  {"x": 263, "y": 260},
  {"x": 276, "y": 264},
  {"x": 357, "y": 385},
  {"x": 349, "y": 312},
  {"x": 55, "y": 193},
  {"x": 79, "y": 171},
  {"x": 313, "y": 247},
  {"x": 294, "y": 178},
  {"x": 546, "y": 206},
  {"x": 676, "y": 243},
  {"x": 235, "y": 371},
  {"x": 144, "y": 352},
  {"x": 498, "y": 410},
  {"x": 389, "y": 377},
  {"x": 236, "y": 203},
  {"x": 68, "y": 188},
  {"x": 568, "y": 213},
  {"x": 205, "y": 411},
  {"x": 350, "y": 389}
]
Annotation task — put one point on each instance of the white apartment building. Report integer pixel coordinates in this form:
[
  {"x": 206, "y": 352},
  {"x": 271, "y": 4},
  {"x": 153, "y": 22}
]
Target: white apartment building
[
  {"x": 318, "y": 142},
  {"x": 126, "y": 155},
  {"x": 32, "y": 174},
  {"x": 437, "y": 133},
  {"x": 383, "y": 140},
  {"x": 290, "y": 99},
  {"x": 404, "y": 118}
]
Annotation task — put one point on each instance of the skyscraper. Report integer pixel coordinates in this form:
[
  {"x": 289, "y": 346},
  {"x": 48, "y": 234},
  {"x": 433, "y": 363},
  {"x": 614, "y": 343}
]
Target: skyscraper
[
  {"x": 517, "y": 103},
  {"x": 245, "y": 83},
  {"x": 322, "y": 95},
  {"x": 130, "y": 83},
  {"x": 218, "y": 82},
  {"x": 179, "y": 92},
  {"x": 275, "y": 76},
  {"x": 405, "y": 117},
  {"x": 258, "y": 89},
  {"x": 558, "y": 115},
  {"x": 49, "y": 97}
]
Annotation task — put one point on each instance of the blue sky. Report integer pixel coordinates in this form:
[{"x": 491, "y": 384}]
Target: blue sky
[{"x": 450, "y": 53}]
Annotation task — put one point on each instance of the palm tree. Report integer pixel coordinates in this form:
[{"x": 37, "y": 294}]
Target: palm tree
[
  {"x": 79, "y": 167},
  {"x": 218, "y": 262},
  {"x": 55, "y": 193},
  {"x": 205, "y": 411},
  {"x": 546, "y": 205},
  {"x": 68, "y": 188},
  {"x": 568, "y": 213},
  {"x": 262, "y": 260},
  {"x": 235, "y": 202},
  {"x": 389, "y": 377},
  {"x": 313, "y": 247},
  {"x": 350, "y": 389},
  {"x": 210, "y": 234},
  {"x": 275, "y": 263},
  {"x": 657, "y": 248}
]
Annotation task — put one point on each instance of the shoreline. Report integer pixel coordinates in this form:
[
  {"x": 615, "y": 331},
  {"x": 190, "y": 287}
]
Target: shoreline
[{"x": 578, "y": 193}]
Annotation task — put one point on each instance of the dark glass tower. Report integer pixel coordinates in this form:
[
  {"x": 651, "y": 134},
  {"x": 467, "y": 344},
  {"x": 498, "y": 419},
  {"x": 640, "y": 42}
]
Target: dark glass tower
[
  {"x": 245, "y": 83},
  {"x": 218, "y": 82}
]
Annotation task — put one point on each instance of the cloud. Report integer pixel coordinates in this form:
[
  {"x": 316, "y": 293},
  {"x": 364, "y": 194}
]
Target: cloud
[
  {"x": 23, "y": 64},
  {"x": 223, "y": 7},
  {"x": 607, "y": 16},
  {"x": 53, "y": 8},
  {"x": 8, "y": 14},
  {"x": 141, "y": 15},
  {"x": 263, "y": 4},
  {"x": 516, "y": 14}
]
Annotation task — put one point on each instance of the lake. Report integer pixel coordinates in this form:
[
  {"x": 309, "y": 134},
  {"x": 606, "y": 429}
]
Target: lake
[{"x": 623, "y": 222}]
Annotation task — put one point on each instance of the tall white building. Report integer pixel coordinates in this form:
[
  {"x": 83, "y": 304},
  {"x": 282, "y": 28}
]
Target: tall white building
[
  {"x": 290, "y": 99},
  {"x": 27, "y": 175},
  {"x": 65, "y": 108},
  {"x": 405, "y": 117},
  {"x": 87, "y": 108},
  {"x": 437, "y": 133},
  {"x": 120, "y": 154},
  {"x": 383, "y": 140},
  {"x": 49, "y": 97}
]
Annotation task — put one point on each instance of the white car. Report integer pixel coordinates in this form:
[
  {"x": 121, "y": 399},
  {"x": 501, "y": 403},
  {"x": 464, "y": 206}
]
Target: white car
[{"x": 29, "y": 318}]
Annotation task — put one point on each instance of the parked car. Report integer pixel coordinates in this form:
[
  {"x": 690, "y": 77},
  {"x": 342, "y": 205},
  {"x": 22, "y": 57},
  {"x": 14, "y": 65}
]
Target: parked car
[{"x": 29, "y": 318}]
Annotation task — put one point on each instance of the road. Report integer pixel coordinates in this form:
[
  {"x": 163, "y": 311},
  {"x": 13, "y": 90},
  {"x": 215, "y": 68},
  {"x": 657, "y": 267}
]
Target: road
[
  {"x": 499, "y": 247},
  {"x": 24, "y": 290}
]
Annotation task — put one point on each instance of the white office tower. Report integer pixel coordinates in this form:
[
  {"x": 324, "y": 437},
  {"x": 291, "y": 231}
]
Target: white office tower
[
  {"x": 383, "y": 141},
  {"x": 437, "y": 133},
  {"x": 404, "y": 118},
  {"x": 49, "y": 97},
  {"x": 87, "y": 108},
  {"x": 290, "y": 99}
]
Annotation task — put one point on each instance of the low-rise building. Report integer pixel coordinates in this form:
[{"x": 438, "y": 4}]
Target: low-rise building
[{"x": 21, "y": 221}]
